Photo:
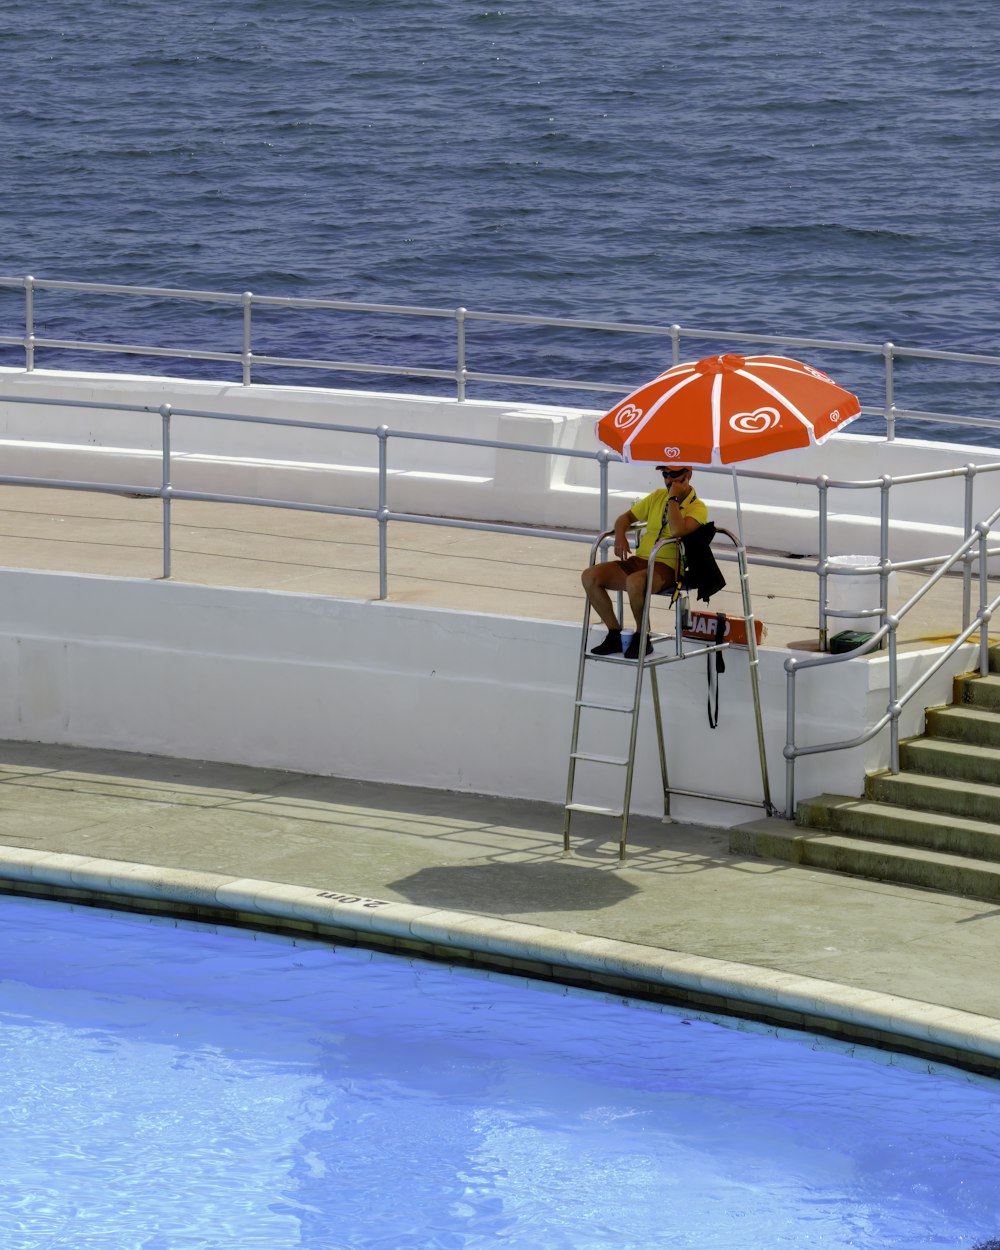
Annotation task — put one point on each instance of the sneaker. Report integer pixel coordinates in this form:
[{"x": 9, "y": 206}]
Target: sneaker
[
  {"x": 632, "y": 651},
  {"x": 612, "y": 645}
]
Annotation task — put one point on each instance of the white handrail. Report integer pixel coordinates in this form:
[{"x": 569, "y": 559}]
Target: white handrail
[
  {"x": 979, "y": 540},
  {"x": 823, "y": 485},
  {"x": 459, "y": 372}
]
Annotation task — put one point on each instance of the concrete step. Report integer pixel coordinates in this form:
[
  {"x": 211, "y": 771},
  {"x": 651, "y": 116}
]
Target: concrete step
[
  {"x": 976, "y": 799},
  {"x": 900, "y": 826},
  {"x": 945, "y": 757},
  {"x": 935, "y": 825},
  {"x": 964, "y": 724},
  {"x": 977, "y": 691},
  {"x": 857, "y": 857}
]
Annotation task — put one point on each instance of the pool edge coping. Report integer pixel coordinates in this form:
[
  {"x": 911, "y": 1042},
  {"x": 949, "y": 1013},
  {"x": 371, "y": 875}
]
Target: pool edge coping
[{"x": 766, "y": 993}]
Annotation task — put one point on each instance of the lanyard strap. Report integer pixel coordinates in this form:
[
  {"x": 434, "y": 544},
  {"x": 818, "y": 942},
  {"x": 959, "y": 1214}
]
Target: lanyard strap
[{"x": 714, "y": 670}]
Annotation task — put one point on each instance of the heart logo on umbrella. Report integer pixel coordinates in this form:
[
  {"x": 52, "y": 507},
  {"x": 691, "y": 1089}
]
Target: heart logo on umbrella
[
  {"x": 757, "y": 422},
  {"x": 627, "y": 416}
]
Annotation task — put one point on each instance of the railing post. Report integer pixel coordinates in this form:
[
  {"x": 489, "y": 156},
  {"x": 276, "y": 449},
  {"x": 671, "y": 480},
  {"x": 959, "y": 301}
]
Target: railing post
[
  {"x": 970, "y": 473},
  {"x": 460, "y": 370},
  {"x": 823, "y": 486},
  {"x": 165, "y": 411},
  {"x": 883, "y": 547},
  {"x": 675, "y": 345},
  {"x": 603, "y": 456},
  {"x": 247, "y": 354},
  {"x": 890, "y": 400},
  {"x": 791, "y": 664},
  {"x": 29, "y": 323},
  {"x": 383, "y": 511},
  {"x": 984, "y": 614},
  {"x": 895, "y": 707}
]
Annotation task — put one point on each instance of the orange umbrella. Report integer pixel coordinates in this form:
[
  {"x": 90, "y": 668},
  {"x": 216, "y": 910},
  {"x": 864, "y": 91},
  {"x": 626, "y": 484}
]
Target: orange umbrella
[{"x": 726, "y": 409}]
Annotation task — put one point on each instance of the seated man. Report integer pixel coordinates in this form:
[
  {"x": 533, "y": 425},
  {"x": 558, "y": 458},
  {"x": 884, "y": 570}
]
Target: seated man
[{"x": 675, "y": 511}]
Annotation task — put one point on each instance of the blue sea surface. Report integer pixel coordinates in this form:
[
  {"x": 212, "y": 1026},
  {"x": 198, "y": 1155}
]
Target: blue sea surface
[{"x": 823, "y": 169}]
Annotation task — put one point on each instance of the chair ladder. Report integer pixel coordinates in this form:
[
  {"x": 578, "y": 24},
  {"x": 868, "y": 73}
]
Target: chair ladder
[{"x": 632, "y": 710}]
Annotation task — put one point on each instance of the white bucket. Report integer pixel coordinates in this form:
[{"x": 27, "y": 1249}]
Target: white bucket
[{"x": 845, "y": 592}]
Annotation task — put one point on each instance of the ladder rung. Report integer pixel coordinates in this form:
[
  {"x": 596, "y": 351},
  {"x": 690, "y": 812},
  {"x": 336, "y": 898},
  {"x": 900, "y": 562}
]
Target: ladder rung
[
  {"x": 598, "y": 759},
  {"x": 594, "y": 811},
  {"x": 606, "y": 707}
]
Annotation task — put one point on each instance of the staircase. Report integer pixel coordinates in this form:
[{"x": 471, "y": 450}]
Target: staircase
[{"x": 935, "y": 824}]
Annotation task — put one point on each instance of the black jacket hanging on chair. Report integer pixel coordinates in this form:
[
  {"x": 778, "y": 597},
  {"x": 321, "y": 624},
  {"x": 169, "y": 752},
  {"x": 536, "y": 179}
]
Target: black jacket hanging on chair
[{"x": 701, "y": 573}]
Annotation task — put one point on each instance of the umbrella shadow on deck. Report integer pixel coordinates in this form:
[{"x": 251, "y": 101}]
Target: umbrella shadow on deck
[{"x": 510, "y": 888}]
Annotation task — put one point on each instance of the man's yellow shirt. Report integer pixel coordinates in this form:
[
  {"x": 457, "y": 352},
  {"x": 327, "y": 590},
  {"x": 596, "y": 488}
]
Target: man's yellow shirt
[{"x": 651, "y": 511}]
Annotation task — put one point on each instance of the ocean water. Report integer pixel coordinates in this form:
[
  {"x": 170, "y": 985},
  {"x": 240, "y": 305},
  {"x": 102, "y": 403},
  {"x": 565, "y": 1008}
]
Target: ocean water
[{"x": 826, "y": 169}]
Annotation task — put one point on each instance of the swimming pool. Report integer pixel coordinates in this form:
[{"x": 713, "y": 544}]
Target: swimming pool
[{"x": 191, "y": 1087}]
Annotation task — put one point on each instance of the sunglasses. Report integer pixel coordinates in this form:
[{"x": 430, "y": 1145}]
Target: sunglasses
[{"x": 673, "y": 474}]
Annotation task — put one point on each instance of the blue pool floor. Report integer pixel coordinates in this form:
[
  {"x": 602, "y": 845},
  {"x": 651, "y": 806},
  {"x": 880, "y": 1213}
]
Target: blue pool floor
[{"x": 178, "y": 1085}]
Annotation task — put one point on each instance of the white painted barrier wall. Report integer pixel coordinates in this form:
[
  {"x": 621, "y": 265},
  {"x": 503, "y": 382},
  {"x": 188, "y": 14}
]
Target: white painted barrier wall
[
  {"x": 286, "y": 462},
  {"x": 389, "y": 692},
  {"x": 472, "y": 482}
]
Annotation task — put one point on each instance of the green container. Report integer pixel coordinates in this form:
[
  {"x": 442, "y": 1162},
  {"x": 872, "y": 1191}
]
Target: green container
[{"x": 848, "y": 640}]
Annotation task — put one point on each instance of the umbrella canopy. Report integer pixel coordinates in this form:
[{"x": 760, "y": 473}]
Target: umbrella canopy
[{"x": 727, "y": 409}]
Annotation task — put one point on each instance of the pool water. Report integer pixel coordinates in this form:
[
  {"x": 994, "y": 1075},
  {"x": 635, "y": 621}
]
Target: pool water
[{"x": 169, "y": 1086}]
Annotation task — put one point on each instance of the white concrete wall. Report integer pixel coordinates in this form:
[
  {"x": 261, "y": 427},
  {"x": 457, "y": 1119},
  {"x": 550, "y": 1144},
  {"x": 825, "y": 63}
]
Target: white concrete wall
[
  {"x": 388, "y": 692},
  {"x": 472, "y": 482},
  {"x": 286, "y": 462}
]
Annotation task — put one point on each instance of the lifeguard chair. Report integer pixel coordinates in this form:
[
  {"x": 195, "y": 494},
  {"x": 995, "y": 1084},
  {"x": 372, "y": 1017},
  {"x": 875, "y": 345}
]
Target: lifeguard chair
[{"x": 695, "y": 634}]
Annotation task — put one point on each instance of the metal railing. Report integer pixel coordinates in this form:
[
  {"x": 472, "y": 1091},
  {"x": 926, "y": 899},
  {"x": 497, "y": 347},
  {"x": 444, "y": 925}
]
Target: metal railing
[
  {"x": 459, "y": 372},
  {"x": 823, "y": 567},
  {"x": 977, "y": 542},
  {"x": 884, "y": 484},
  {"x": 382, "y": 514}
]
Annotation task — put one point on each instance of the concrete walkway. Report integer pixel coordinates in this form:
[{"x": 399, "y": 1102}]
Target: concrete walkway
[{"x": 489, "y": 874}]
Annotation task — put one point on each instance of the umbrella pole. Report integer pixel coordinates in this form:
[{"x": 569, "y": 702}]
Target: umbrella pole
[
  {"x": 754, "y": 664},
  {"x": 739, "y": 509},
  {"x": 752, "y": 657}
]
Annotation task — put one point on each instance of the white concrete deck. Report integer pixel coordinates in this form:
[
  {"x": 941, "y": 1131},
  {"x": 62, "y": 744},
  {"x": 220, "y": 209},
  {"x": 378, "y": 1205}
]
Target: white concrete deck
[{"x": 454, "y": 568}]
